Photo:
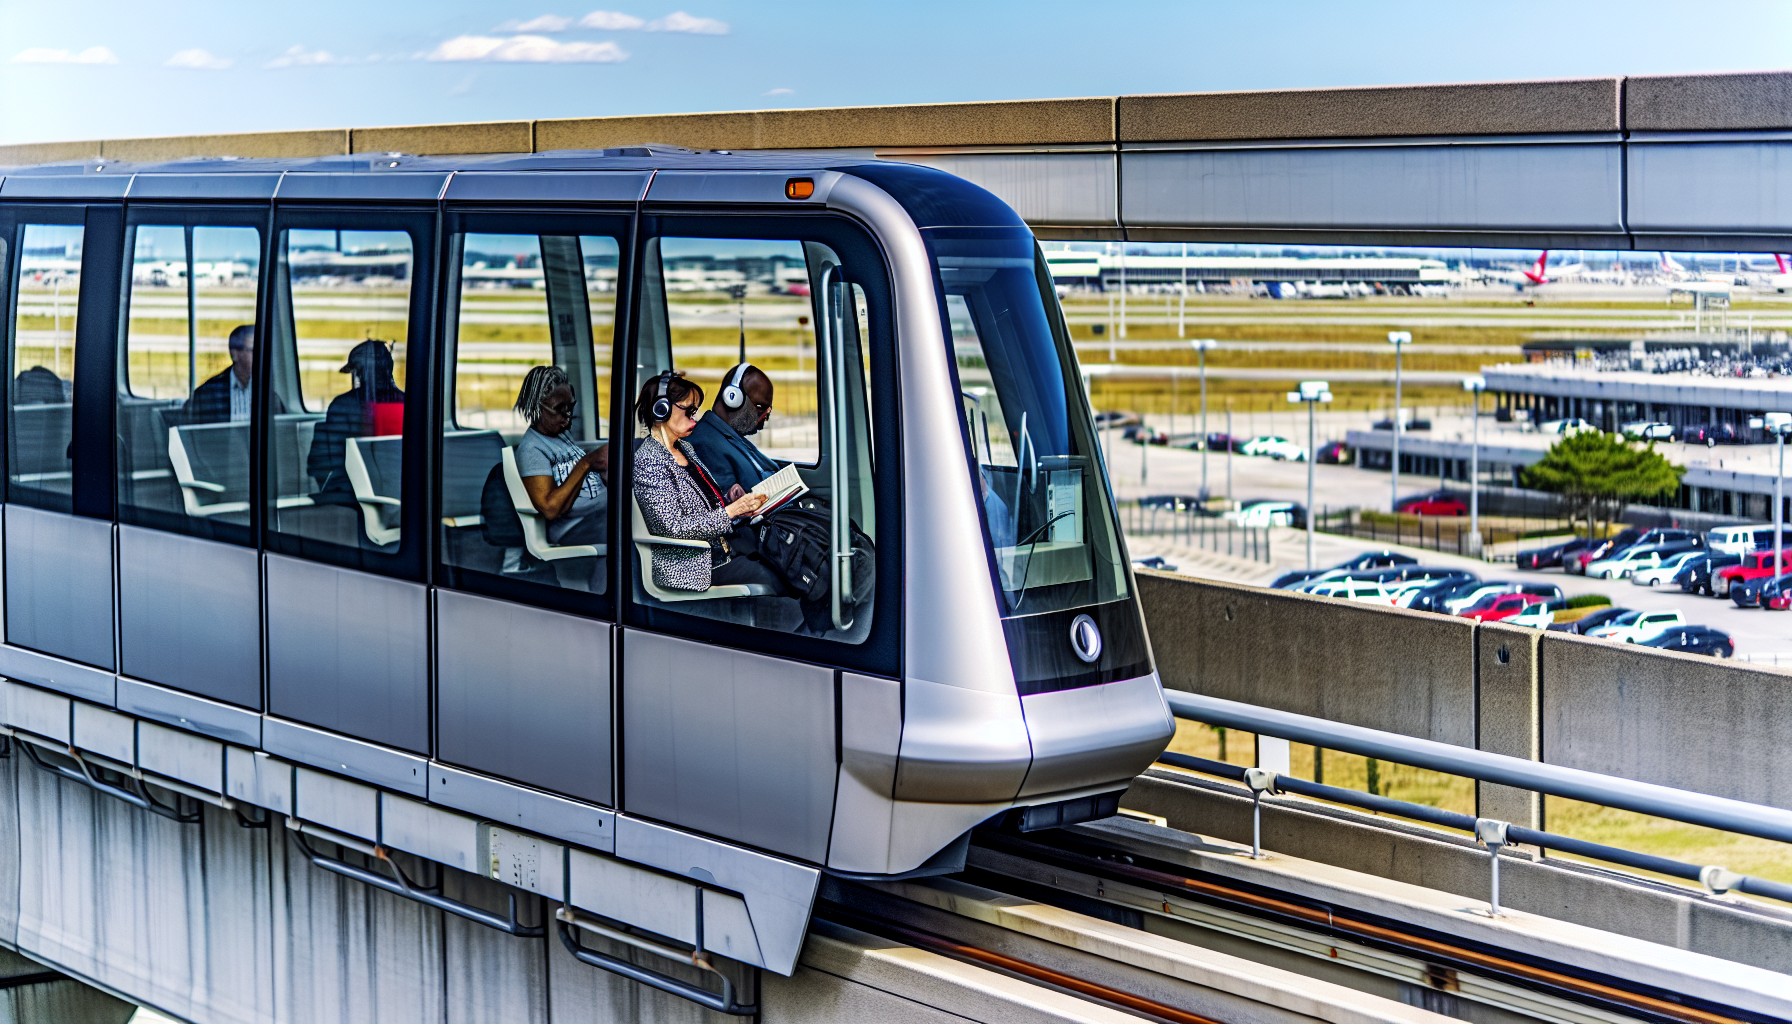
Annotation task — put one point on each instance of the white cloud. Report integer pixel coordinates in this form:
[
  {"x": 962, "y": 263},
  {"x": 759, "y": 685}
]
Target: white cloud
[
  {"x": 201, "y": 60},
  {"x": 679, "y": 21},
  {"x": 610, "y": 21},
  {"x": 298, "y": 57},
  {"x": 545, "y": 23},
  {"x": 527, "y": 50},
  {"x": 780, "y": 92},
  {"x": 44, "y": 55}
]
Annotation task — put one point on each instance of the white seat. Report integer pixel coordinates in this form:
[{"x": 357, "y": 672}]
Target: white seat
[
  {"x": 645, "y": 539},
  {"x": 535, "y": 528},
  {"x": 355, "y": 465},
  {"x": 191, "y": 487}
]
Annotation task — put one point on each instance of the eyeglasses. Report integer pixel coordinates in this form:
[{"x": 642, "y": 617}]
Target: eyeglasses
[
  {"x": 692, "y": 411},
  {"x": 562, "y": 410}
]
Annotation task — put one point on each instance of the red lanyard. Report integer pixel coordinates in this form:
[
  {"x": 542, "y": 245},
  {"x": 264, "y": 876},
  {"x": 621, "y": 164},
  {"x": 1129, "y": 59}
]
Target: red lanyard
[{"x": 697, "y": 470}]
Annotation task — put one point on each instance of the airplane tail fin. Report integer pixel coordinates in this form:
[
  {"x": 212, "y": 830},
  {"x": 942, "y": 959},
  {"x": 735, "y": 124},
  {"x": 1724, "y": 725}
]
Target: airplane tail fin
[{"x": 1781, "y": 261}]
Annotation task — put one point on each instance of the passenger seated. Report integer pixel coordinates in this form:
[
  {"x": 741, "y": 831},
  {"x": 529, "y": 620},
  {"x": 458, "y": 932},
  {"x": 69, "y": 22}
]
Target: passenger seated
[
  {"x": 564, "y": 481},
  {"x": 225, "y": 397},
  {"x": 372, "y": 406},
  {"x": 680, "y": 498},
  {"x": 736, "y": 463},
  {"x": 39, "y": 386}
]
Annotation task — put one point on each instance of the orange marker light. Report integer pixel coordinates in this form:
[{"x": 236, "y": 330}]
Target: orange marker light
[{"x": 799, "y": 188}]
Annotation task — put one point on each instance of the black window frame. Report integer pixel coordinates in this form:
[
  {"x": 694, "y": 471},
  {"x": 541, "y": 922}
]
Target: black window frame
[
  {"x": 423, "y": 223},
  {"x": 102, "y": 244},
  {"x": 237, "y": 215},
  {"x": 536, "y": 220},
  {"x": 881, "y": 651}
]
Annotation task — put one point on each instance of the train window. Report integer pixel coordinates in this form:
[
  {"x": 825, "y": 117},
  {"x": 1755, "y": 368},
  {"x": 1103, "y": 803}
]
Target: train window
[
  {"x": 184, "y": 387},
  {"x": 344, "y": 294},
  {"x": 40, "y": 416},
  {"x": 752, "y": 484},
  {"x": 525, "y": 497}
]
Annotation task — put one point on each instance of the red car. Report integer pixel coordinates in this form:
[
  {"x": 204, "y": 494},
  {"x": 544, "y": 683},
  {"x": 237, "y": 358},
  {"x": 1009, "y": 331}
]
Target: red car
[
  {"x": 1502, "y": 606},
  {"x": 1434, "y": 505},
  {"x": 1755, "y": 565}
]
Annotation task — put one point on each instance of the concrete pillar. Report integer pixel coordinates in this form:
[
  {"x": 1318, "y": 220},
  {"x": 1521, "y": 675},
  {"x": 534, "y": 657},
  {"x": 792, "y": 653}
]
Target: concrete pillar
[{"x": 1508, "y": 720}]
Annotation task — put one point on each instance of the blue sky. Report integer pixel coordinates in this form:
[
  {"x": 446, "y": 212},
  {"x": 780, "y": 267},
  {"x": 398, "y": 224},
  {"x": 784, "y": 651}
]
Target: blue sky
[{"x": 81, "y": 69}]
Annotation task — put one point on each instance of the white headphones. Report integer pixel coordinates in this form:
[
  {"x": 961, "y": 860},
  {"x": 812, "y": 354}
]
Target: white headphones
[{"x": 732, "y": 396}]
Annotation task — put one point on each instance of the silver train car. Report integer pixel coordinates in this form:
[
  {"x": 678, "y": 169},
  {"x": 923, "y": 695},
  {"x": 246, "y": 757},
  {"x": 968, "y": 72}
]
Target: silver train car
[{"x": 270, "y": 539}]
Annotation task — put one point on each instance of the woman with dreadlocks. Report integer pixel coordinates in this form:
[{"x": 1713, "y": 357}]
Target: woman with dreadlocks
[{"x": 564, "y": 481}]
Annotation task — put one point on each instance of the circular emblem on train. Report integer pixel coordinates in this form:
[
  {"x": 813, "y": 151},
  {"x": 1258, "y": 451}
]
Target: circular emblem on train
[{"x": 1085, "y": 638}]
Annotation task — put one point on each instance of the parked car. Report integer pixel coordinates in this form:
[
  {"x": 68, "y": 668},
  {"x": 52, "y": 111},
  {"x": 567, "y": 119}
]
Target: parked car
[
  {"x": 1154, "y": 562},
  {"x": 1711, "y": 434},
  {"x": 1633, "y": 627},
  {"x": 1648, "y": 430},
  {"x": 1753, "y": 565},
  {"x": 1694, "y": 640},
  {"x": 1577, "y": 561},
  {"x": 1220, "y": 442},
  {"x": 1502, "y": 606},
  {"x": 1756, "y": 592},
  {"x": 1667, "y": 534},
  {"x": 1637, "y": 556},
  {"x": 1696, "y": 576},
  {"x": 1544, "y": 558},
  {"x": 1432, "y": 598},
  {"x": 1144, "y": 433},
  {"x": 1537, "y": 615},
  {"x": 1116, "y": 418},
  {"x": 1433, "y": 505},
  {"x": 1171, "y": 502},
  {"x": 1377, "y": 560},
  {"x": 1363, "y": 591},
  {"x": 1474, "y": 593},
  {"x": 1411, "y": 425},
  {"x": 1409, "y": 592},
  {"x": 1334, "y": 453},
  {"x": 1263, "y": 514},
  {"x": 1279, "y": 448},
  {"x": 1572, "y": 425},
  {"x": 1740, "y": 540},
  {"x": 1665, "y": 572},
  {"x": 1590, "y": 621},
  {"x": 1290, "y": 580}
]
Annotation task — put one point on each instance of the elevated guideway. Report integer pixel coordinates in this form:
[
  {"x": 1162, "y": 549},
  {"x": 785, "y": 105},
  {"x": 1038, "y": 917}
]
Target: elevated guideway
[{"x": 1689, "y": 162}]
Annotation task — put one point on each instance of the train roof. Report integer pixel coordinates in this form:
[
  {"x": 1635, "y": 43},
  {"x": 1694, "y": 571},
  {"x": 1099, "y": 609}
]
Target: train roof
[{"x": 620, "y": 175}]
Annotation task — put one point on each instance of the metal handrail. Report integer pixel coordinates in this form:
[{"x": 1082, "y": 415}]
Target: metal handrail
[
  {"x": 722, "y": 1002},
  {"x": 137, "y": 796},
  {"x": 401, "y": 885},
  {"x": 1715, "y": 879},
  {"x": 833, "y": 303},
  {"x": 1681, "y": 805}
]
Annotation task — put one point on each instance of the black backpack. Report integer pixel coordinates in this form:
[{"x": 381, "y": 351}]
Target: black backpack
[
  {"x": 499, "y": 523},
  {"x": 793, "y": 541}
]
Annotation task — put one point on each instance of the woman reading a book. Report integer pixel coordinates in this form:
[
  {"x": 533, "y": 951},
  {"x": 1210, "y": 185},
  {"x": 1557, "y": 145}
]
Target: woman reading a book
[{"x": 679, "y": 498}]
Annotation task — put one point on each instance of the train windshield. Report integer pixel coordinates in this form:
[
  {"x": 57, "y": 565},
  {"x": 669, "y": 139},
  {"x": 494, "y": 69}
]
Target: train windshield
[{"x": 1043, "y": 490}]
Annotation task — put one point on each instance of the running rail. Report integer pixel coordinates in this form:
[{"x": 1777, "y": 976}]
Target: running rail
[{"x": 1716, "y": 812}]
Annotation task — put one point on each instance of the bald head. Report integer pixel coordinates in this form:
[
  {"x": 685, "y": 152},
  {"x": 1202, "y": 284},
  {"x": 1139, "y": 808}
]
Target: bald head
[{"x": 753, "y": 412}]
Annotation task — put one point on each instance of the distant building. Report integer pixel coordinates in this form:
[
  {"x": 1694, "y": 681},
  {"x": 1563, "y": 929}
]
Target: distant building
[{"x": 1104, "y": 270}]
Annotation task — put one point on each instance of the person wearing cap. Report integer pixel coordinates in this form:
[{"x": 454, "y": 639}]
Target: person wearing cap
[
  {"x": 226, "y": 396},
  {"x": 373, "y": 405}
]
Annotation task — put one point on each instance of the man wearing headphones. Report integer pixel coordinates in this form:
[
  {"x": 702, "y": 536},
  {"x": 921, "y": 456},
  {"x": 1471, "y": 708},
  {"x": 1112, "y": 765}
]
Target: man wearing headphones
[{"x": 741, "y": 407}]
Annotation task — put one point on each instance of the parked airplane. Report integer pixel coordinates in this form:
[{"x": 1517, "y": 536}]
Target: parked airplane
[{"x": 1782, "y": 281}]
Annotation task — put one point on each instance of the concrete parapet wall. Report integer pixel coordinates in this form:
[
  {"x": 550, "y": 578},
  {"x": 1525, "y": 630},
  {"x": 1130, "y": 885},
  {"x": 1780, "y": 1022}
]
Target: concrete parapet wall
[
  {"x": 1675, "y": 719},
  {"x": 1720, "y": 102},
  {"x": 1402, "y": 671}
]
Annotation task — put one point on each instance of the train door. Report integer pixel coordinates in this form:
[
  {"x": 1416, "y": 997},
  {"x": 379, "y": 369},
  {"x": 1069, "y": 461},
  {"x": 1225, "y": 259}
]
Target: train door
[
  {"x": 343, "y": 494},
  {"x": 525, "y": 599},
  {"x": 61, "y": 267},
  {"x": 762, "y": 364},
  {"x": 189, "y": 575}
]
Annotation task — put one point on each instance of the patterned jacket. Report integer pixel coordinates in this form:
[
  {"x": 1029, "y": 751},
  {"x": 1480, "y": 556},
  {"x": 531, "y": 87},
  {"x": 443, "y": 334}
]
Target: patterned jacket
[{"x": 674, "y": 504}]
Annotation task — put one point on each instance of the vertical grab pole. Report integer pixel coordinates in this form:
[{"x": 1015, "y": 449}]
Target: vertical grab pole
[{"x": 839, "y": 521}]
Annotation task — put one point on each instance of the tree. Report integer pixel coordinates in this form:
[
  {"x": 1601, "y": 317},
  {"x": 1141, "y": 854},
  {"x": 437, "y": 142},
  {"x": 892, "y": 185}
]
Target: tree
[{"x": 1601, "y": 473}]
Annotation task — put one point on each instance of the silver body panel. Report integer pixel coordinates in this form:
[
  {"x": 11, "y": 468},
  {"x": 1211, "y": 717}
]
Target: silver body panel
[
  {"x": 258, "y": 779},
  {"x": 37, "y": 711},
  {"x": 185, "y": 711},
  {"x": 59, "y": 585},
  {"x": 106, "y": 733},
  {"x": 524, "y": 693},
  {"x": 521, "y": 807},
  {"x": 189, "y": 615},
  {"x": 333, "y": 752},
  {"x": 961, "y": 745},
  {"x": 1095, "y": 735},
  {"x": 82, "y": 681},
  {"x": 336, "y": 803},
  {"x": 182, "y": 756},
  {"x": 729, "y": 743},
  {"x": 430, "y": 832},
  {"x": 535, "y": 186},
  {"x": 348, "y": 651}
]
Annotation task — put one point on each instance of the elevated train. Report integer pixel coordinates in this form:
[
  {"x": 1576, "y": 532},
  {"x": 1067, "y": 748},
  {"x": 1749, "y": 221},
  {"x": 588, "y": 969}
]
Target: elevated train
[{"x": 266, "y": 543}]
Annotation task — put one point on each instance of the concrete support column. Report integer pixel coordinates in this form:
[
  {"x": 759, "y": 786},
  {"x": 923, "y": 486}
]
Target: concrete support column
[{"x": 1508, "y": 719}]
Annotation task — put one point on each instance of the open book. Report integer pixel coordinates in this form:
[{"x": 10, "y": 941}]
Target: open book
[{"x": 780, "y": 488}]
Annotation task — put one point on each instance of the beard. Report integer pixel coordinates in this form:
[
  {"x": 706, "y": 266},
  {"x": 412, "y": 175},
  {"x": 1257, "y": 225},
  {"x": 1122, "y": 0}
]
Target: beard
[{"x": 744, "y": 420}]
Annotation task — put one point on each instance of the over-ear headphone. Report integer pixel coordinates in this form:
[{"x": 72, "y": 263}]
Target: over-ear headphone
[
  {"x": 732, "y": 396},
  {"x": 662, "y": 403}
]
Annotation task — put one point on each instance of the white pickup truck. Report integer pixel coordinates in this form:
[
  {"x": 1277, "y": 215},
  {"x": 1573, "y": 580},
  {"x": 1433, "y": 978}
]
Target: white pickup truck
[{"x": 1637, "y": 626}]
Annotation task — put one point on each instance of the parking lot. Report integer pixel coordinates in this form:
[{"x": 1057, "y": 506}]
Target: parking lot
[{"x": 1759, "y": 634}]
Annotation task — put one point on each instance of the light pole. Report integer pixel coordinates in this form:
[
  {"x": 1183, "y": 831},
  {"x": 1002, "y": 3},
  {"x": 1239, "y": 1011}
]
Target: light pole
[
  {"x": 1474, "y": 385},
  {"x": 1201, "y": 346},
  {"x": 1312, "y": 392},
  {"x": 1779, "y": 424},
  {"x": 1398, "y": 339}
]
